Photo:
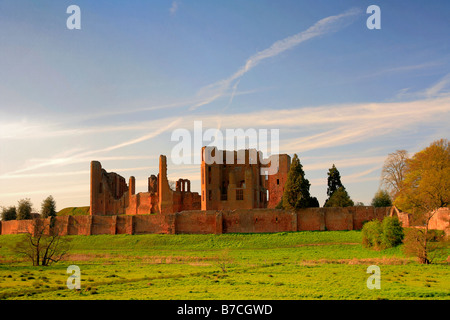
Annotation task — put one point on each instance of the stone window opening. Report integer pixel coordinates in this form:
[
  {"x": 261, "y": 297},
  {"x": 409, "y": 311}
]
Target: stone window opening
[{"x": 239, "y": 194}]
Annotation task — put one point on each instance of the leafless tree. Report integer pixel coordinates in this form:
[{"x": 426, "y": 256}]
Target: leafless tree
[
  {"x": 42, "y": 244},
  {"x": 393, "y": 172}
]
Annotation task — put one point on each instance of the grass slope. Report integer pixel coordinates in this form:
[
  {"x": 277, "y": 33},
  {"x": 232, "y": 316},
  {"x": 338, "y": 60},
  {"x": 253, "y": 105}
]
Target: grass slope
[
  {"x": 289, "y": 265},
  {"x": 74, "y": 211}
]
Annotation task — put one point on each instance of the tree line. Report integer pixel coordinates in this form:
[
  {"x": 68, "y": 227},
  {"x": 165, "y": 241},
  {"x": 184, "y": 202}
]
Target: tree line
[
  {"x": 296, "y": 191},
  {"x": 42, "y": 244},
  {"x": 418, "y": 185},
  {"x": 24, "y": 210}
]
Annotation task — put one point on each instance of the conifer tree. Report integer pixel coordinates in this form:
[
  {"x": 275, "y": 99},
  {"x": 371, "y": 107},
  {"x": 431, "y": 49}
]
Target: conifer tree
[
  {"x": 334, "y": 182},
  {"x": 48, "y": 208},
  {"x": 24, "y": 209},
  {"x": 339, "y": 198},
  {"x": 296, "y": 191}
]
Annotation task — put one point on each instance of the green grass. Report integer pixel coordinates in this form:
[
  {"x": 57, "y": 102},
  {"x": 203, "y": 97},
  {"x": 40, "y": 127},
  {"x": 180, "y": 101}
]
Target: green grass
[
  {"x": 74, "y": 211},
  {"x": 292, "y": 265}
]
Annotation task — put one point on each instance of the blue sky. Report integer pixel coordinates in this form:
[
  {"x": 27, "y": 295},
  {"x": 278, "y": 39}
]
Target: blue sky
[{"x": 115, "y": 90}]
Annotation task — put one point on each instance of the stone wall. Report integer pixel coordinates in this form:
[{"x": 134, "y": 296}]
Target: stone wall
[
  {"x": 212, "y": 221},
  {"x": 441, "y": 220}
]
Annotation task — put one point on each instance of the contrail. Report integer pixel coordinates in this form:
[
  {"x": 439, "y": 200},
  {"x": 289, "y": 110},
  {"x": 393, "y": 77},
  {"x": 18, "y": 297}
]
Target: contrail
[{"x": 325, "y": 26}]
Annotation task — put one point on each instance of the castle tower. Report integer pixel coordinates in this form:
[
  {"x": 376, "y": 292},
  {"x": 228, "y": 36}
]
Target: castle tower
[
  {"x": 132, "y": 186},
  {"x": 164, "y": 192},
  {"x": 277, "y": 178},
  {"x": 96, "y": 188}
]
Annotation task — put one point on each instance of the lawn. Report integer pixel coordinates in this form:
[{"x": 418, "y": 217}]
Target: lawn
[{"x": 289, "y": 265}]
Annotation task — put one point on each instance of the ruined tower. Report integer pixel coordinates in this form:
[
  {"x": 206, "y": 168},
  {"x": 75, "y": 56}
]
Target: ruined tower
[{"x": 240, "y": 180}]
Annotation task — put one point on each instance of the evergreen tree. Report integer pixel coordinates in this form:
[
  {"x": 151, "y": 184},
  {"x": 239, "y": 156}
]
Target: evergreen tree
[
  {"x": 333, "y": 182},
  {"x": 381, "y": 199},
  {"x": 9, "y": 213},
  {"x": 48, "y": 208},
  {"x": 339, "y": 198},
  {"x": 24, "y": 209},
  {"x": 296, "y": 191},
  {"x": 313, "y": 203}
]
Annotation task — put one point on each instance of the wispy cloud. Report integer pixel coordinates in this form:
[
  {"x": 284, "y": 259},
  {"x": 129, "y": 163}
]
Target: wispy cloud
[
  {"x": 327, "y": 25},
  {"x": 77, "y": 157},
  {"x": 403, "y": 69},
  {"x": 360, "y": 176},
  {"x": 343, "y": 163},
  {"x": 440, "y": 88}
]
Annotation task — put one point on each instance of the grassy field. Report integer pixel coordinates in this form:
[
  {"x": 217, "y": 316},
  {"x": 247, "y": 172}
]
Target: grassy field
[
  {"x": 297, "y": 265},
  {"x": 74, "y": 211}
]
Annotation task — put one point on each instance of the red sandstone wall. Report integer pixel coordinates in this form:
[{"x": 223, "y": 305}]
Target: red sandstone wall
[
  {"x": 16, "y": 226},
  {"x": 196, "y": 222},
  {"x": 364, "y": 214},
  {"x": 235, "y": 221},
  {"x": 150, "y": 224},
  {"x": 258, "y": 220},
  {"x": 124, "y": 225},
  {"x": 441, "y": 220},
  {"x": 311, "y": 219},
  {"x": 79, "y": 225},
  {"x": 103, "y": 225},
  {"x": 338, "y": 219},
  {"x": 145, "y": 203}
]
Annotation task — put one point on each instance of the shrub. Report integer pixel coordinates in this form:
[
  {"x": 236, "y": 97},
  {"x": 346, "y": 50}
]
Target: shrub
[
  {"x": 382, "y": 235},
  {"x": 392, "y": 232},
  {"x": 371, "y": 234}
]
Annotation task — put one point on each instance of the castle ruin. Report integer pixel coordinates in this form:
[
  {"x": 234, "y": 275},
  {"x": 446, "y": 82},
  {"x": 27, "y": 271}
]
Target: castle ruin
[
  {"x": 227, "y": 185},
  {"x": 238, "y": 195}
]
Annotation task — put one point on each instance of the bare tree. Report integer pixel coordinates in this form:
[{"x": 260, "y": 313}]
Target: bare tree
[
  {"x": 393, "y": 172},
  {"x": 42, "y": 244}
]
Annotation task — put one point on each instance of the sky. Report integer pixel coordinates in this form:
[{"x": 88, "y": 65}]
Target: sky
[{"x": 116, "y": 89}]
